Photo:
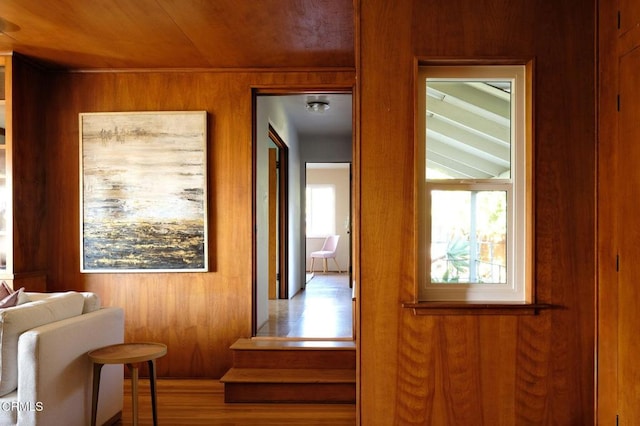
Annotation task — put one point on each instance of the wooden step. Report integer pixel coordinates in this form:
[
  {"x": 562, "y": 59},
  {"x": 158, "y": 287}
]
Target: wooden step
[
  {"x": 256, "y": 353},
  {"x": 289, "y": 375},
  {"x": 292, "y": 385},
  {"x": 305, "y": 371}
]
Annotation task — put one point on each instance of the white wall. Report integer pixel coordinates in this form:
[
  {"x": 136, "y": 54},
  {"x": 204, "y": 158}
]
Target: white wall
[
  {"x": 339, "y": 178},
  {"x": 270, "y": 111},
  {"x": 262, "y": 217}
]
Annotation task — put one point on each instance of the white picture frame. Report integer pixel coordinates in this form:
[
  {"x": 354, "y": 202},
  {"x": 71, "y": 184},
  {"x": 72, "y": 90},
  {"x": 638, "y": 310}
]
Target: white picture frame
[{"x": 143, "y": 192}]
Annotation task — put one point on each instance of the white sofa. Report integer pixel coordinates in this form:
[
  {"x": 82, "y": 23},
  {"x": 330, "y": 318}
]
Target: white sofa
[{"x": 45, "y": 373}]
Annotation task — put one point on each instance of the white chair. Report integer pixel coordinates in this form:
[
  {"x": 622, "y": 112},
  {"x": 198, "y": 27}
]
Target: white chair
[{"x": 328, "y": 251}]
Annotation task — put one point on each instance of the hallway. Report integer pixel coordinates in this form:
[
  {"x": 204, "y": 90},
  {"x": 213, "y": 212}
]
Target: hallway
[{"x": 322, "y": 311}]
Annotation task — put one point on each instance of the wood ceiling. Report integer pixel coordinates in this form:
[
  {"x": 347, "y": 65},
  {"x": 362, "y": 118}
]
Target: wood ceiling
[{"x": 115, "y": 34}]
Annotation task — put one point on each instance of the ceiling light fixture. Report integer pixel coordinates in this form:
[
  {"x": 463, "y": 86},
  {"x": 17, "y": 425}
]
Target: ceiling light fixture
[{"x": 317, "y": 106}]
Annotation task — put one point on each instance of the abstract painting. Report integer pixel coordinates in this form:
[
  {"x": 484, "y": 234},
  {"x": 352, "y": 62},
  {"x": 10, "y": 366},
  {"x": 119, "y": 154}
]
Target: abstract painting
[{"x": 143, "y": 192}]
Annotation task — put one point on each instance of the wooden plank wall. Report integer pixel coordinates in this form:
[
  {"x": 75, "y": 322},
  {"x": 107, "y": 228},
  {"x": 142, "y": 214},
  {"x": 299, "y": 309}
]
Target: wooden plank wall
[
  {"x": 198, "y": 315},
  {"x": 26, "y": 166},
  {"x": 608, "y": 214},
  {"x": 449, "y": 369},
  {"x": 468, "y": 369},
  {"x": 618, "y": 155}
]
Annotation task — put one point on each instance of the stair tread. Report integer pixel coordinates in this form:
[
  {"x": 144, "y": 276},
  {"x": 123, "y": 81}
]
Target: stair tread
[
  {"x": 289, "y": 375},
  {"x": 277, "y": 344}
]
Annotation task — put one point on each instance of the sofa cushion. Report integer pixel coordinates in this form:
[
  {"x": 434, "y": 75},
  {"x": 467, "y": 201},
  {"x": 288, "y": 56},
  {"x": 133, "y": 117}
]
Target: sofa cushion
[
  {"x": 92, "y": 301},
  {"x": 15, "y": 320}
]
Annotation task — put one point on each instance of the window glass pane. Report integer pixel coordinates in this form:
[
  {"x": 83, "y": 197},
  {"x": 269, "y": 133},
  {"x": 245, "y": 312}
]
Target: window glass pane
[
  {"x": 320, "y": 210},
  {"x": 468, "y": 129},
  {"x": 468, "y": 237}
]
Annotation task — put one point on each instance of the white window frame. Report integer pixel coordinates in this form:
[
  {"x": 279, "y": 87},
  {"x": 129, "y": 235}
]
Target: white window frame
[{"x": 518, "y": 288}]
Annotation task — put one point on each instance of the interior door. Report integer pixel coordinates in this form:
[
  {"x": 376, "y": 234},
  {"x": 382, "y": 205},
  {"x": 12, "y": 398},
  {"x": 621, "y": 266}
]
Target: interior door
[
  {"x": 273, "y": 223},
  {"x": 628, "y": 189},
  {"x": 279, "y": 182}
]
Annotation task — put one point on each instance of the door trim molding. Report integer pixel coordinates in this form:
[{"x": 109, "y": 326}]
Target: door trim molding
[{"x": 283, "y": 209}]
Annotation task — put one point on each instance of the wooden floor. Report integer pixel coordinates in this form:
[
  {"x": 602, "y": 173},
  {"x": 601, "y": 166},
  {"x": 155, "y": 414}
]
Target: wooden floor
[
  {"x": 201, "y": 402},
  {"x": 322, "y": 310}
]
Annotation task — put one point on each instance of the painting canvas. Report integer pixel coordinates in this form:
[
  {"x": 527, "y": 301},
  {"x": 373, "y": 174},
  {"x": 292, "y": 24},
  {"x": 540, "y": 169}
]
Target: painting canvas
[{"x": 143, "y": 202}]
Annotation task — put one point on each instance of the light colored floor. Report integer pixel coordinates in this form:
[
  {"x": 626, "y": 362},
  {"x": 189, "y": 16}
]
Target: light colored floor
[{"x": 322, "y": 311}]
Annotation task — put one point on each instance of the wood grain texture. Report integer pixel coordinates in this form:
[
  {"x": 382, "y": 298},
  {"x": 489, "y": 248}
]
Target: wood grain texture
[
  {"x": 437, "y": 370},
  {"x": 607, "y": 243},
  {"x": 201, "y": 402},
  {"x": 273, "y": 173},
  {"x": 24, "y": 198},
  {"x": 386, "y": 221},
  {"x": 628, "y": 316},
  {"x": 478, "y": 369},
  {"x": 629, "y": 15},
  {"x": 28, "y": 168},
  {"x": 185, "y": 34},
  {"x": 197, "y": 315},
  {"x": 618, "y": 374}
]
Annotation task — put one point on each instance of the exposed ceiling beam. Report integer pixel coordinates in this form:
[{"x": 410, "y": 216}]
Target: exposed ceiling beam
[
  {"x": 476, "y": 166},
  {"x": 470, "y": 121},
  {"x": 474, "y": 142}
]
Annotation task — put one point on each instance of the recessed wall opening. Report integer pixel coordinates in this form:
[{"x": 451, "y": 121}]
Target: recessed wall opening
[{"x": 316, "y": 132}]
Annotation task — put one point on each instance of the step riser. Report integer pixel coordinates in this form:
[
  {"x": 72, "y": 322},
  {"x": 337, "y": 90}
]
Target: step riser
[
  {"x": 291, "y": 372},
  {"x": 294, "y": 359},
  {"x": 290, "y": 393}
]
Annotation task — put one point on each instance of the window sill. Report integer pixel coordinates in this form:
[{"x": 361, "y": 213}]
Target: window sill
[{"x": 475, "y": 308}]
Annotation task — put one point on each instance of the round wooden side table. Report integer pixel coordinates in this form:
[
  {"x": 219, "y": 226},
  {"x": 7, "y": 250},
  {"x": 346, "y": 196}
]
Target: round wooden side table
[{"x": 129, "y": 354}]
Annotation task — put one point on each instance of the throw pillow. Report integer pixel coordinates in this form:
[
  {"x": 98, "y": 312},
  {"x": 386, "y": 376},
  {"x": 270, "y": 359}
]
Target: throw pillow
[
  {"x": 11, "y": 300},
  {"x": 23, "y": 297},
  {"x": 91, "y": 302},
  {"x": 5, "y": 290}
]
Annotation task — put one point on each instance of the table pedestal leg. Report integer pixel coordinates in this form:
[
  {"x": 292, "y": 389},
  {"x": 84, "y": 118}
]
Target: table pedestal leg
[
  {"x": 97, "y": 368},
  {"x": 152, "y": 384},
  {"x": 134, "y": 392}
]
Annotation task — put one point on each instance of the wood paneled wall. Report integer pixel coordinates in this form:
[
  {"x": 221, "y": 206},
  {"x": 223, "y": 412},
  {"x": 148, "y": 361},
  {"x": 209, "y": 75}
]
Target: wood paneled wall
[
  {"x": 438, "y": 370},
  {"x": 198, "y": 315},
  {"x": 608, "y": 216},
  {"x": 470, "y": 369},
  {"x": 26, "y": 167},
  {"x": 618, "y": 370}
]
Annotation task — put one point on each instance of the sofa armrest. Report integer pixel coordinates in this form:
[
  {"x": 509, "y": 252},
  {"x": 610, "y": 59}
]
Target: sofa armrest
[{"x": 55, "y": 373}]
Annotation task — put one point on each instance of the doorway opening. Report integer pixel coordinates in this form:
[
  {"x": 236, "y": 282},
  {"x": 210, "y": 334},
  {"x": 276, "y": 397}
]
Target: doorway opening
[
  {"x": 328, "y": 218},
  {"x": 314, "y": 131}
]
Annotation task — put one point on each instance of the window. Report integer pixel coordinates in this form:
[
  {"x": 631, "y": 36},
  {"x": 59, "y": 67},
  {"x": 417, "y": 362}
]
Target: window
[
  {"x": 474, "y": 192},
  {"x": 321, "y": 210}
]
